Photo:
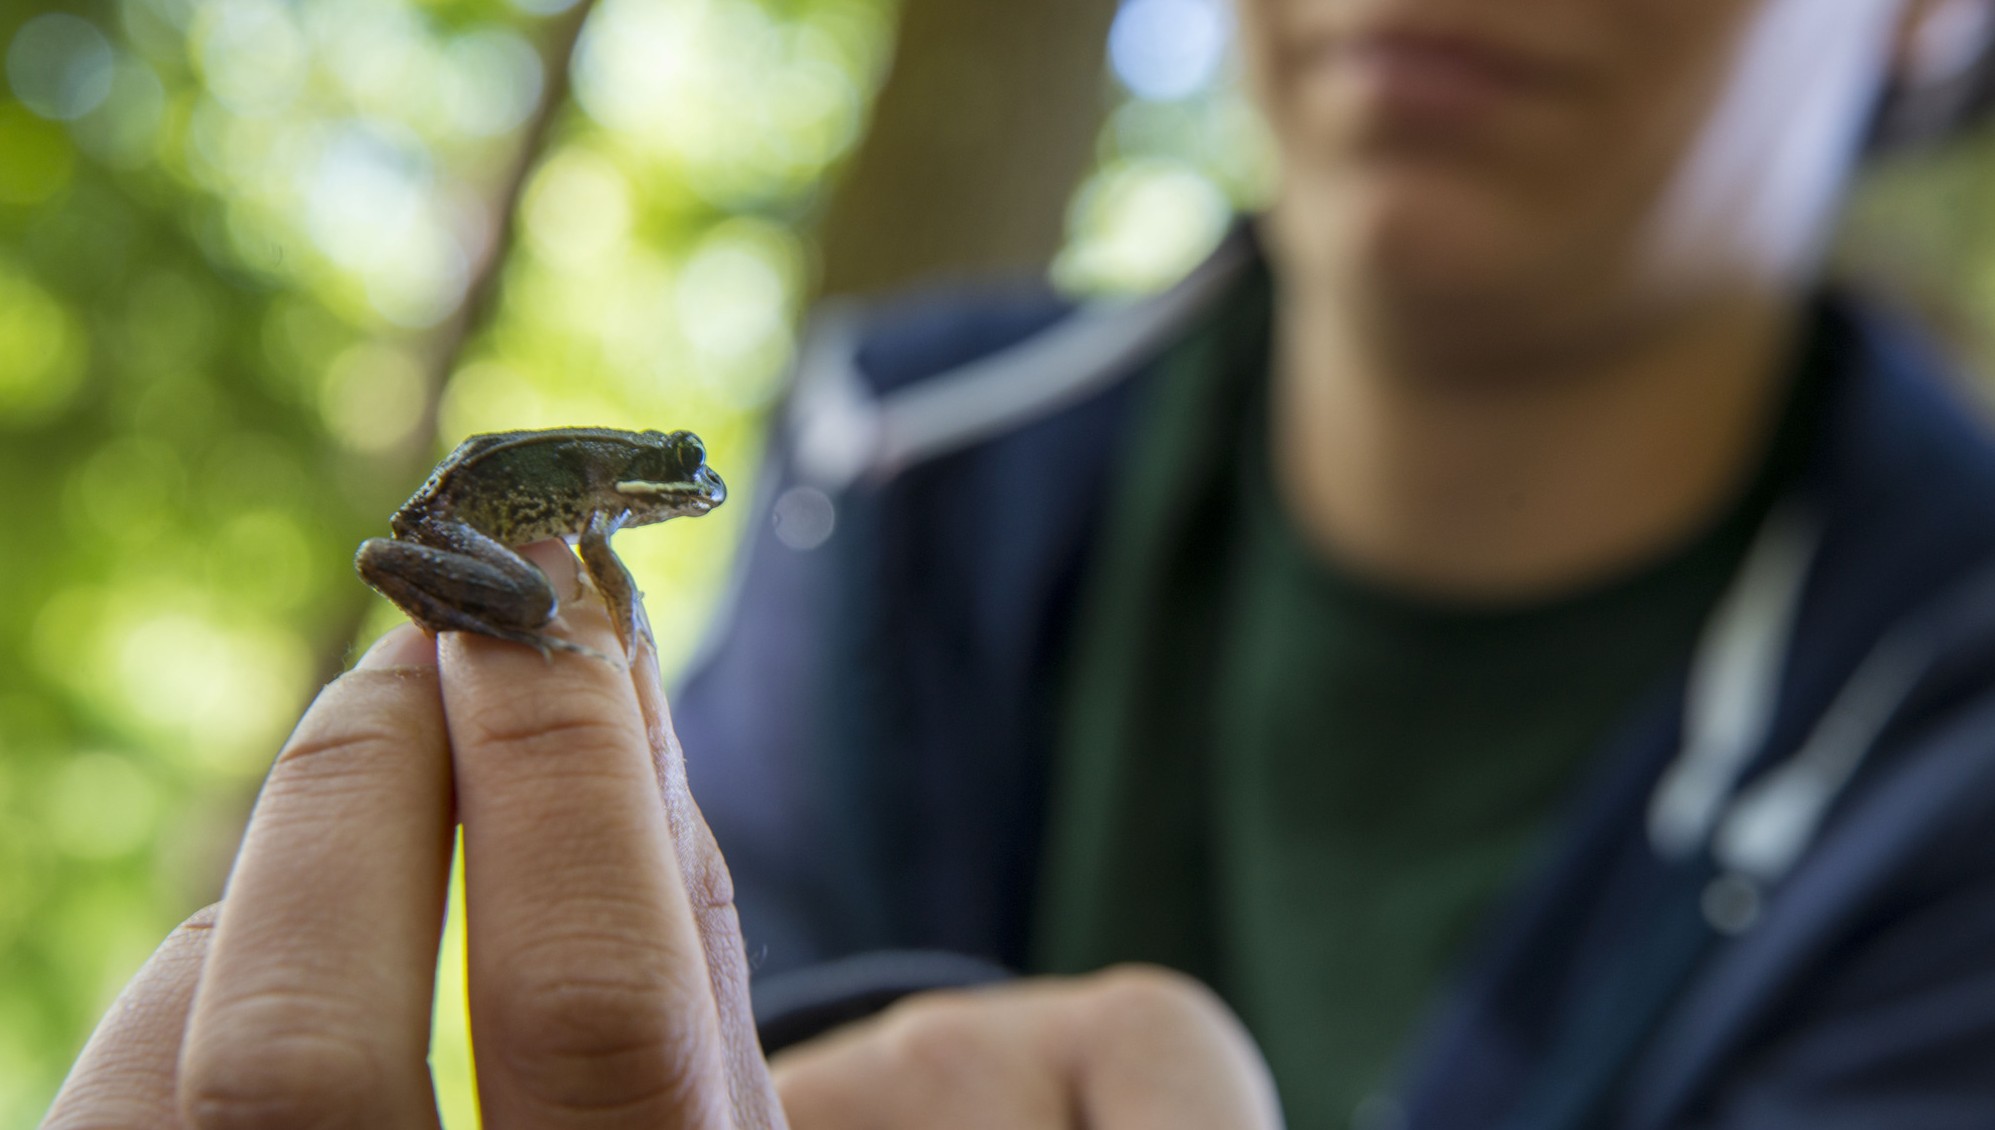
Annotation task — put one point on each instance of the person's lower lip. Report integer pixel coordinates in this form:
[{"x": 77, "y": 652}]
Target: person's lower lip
[{"x": 1430, "y": 83}]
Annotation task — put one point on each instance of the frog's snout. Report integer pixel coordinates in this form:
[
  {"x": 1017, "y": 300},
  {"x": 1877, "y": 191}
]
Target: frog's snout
[{"x": 711, "y": 488}]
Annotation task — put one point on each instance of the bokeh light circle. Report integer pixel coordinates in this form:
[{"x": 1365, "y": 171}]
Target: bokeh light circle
[
  {"x": 1168, "y": 49},
  {"x": 60, "y": 66}
]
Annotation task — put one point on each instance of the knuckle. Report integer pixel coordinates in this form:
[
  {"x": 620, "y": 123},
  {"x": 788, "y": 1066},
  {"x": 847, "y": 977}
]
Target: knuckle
[
  {"x": 1150, "y": 998},
  {"x": 587, "y": 721},
  {"x": 936, "y": 1035},
  {"x": 555, "y": 1017},
  {"x": 300, "y": 1080},
  {"x": 709, "y": 885},
  {"x": 814, "y": 1095},
  {"x": 836, "y": 1091},
  {"x": 596, "y": 1045},
  {"x": 333, "y": 751}
]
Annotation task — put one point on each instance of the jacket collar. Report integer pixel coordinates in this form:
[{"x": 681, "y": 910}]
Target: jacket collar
[{"x": 846, "y": 431}]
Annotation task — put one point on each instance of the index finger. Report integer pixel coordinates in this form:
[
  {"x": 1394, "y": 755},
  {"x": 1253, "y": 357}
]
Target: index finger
[
  {"x": 314, "y": 1002},
  {"x": 590, "y": 998}
]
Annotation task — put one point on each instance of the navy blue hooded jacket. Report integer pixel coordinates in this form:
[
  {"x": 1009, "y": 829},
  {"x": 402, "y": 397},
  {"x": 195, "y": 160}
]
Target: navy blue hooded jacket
[{"x": 1771, "y": 905}]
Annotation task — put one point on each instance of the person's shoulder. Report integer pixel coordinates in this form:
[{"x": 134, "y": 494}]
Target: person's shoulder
[
  {"x": 1903, "y": 487},
  {"x": 902, "y": 339},
  {"x": 1904, "y": 608},
  {"x": 1916, "y": 411}
]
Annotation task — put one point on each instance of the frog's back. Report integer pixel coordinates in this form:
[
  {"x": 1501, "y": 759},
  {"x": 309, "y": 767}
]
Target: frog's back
[
  {"x": 520, "y": 486},
  {"x": 491, "y": 452},
  {"x": 465, "y": 454}
]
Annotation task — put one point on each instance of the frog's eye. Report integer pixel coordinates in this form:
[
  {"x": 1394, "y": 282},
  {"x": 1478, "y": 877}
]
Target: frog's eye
[{"x": 692, "y": 453}]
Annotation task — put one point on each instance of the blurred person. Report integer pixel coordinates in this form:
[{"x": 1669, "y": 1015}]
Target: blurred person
[{"x": 1502, "y": 644}]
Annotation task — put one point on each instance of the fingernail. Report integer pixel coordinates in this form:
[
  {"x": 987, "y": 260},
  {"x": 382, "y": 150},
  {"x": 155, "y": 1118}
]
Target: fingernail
[{"x": 404, "y": 645}]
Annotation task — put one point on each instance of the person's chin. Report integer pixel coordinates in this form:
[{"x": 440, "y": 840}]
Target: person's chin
[
  {"x": 1427, "y": 239},
  {"x": 1443, "y": 267}
]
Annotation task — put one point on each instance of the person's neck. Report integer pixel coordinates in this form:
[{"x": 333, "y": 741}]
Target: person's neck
[{"x": 1498, "y": 488}]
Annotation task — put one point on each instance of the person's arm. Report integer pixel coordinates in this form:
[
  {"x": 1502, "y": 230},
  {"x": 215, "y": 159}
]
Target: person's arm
[{"x": 1899, "y": 1031}]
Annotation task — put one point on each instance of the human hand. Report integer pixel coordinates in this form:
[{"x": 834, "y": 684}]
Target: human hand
[
  {"x": 1132, "y": 1048},
  {"x": 606, "y": 976}
]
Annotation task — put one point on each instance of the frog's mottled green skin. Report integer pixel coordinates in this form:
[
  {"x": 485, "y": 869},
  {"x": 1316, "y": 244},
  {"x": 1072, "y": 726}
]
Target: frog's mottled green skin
[{"x": 451, "y": 564}]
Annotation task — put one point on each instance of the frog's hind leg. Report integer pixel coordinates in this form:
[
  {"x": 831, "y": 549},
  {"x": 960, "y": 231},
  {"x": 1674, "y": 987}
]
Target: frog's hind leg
[
  {"x": 613, "y": 581},
  {"x": 446, "y": 591}
]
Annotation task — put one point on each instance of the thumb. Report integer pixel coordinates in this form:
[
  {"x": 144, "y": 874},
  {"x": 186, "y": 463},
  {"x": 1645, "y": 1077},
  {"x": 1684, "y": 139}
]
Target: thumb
[{"x": 1163, "y": 1052}]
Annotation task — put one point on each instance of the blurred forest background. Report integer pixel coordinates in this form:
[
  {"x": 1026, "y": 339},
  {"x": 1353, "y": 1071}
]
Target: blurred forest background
[{"x": 263, "y": 261}]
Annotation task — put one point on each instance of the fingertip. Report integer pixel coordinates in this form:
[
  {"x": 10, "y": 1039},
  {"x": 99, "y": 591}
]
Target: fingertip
[
  {"x": 557, "y": 561},
  {"x": 403, "y": 645}
]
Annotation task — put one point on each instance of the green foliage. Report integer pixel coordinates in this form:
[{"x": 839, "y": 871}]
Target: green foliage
[{"x": 236, "y": 240}]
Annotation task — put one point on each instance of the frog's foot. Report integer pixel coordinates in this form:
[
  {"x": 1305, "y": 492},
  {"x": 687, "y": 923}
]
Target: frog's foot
[
  {"x": 613, "y": 580},
  {"x": 435, "y": 616},
  {"x": 543, "y": 643},
  {"x": 547, "y": 645}
]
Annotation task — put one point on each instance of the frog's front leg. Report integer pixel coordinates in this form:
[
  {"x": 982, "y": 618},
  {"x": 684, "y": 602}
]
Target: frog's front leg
[
  {"x": 612, "y": 579},
  {"x": 449, "y": 577}
]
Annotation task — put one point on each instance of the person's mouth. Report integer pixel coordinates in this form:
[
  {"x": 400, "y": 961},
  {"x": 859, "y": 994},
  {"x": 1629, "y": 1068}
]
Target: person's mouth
[{"x": 1436, "y": 77}]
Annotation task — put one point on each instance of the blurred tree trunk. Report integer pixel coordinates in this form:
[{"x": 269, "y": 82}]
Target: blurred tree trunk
[
  {"x": 985, "y": 124},
  {"x": 442, "y": 347}
]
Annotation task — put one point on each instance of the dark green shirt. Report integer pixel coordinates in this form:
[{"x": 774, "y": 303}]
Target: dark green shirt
[{"x": 1300, "y": 787}]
